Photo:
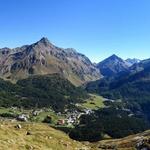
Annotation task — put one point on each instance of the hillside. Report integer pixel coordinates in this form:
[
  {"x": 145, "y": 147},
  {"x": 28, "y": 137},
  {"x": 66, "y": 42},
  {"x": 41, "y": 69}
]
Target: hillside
[
  {"x": 133, "y": 89},
  {"x": 51, "y": 91},
  {"x": 43, "y": 58},
  {"x": 139, "y": 141},
  {"x": 41, "y": 136},
  {"x": 36, "y": 136}
]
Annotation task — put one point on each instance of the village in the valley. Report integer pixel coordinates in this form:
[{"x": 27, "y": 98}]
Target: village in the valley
[
  {"x": 67, "y": 118},
  {"x": 44, "y": 115}
]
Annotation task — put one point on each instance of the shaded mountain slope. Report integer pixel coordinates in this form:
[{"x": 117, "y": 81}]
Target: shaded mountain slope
[{"x": 112, "y": 66}]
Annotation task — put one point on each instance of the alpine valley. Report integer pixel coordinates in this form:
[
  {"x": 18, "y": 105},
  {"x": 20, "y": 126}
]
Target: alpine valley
[{"x": 56, "y": 98}]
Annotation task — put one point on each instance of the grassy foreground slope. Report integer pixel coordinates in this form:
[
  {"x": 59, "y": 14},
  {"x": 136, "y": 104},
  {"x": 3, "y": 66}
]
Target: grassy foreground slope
[{"x": 41, "y": 137}]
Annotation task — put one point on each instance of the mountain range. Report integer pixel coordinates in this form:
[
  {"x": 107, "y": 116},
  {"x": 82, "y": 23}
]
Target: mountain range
[{"x": 43, "y": 58}]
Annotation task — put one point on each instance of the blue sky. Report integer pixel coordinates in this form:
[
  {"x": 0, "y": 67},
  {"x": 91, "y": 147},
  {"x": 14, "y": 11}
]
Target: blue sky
[{"x": 97, "y": 28}]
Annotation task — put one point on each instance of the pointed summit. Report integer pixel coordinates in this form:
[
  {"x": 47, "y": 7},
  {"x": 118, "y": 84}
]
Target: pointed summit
[
  {"x": 115, "y": 57},
  {"x": 44, "y": 39},
  {"x": 44, "y": 42}
]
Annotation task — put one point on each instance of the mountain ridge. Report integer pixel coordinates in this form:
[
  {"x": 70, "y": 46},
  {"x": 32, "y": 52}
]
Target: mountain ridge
[{"x": 43, "y": 57}]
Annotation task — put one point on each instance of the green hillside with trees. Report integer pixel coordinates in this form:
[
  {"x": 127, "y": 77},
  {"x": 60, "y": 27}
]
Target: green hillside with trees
[{"x": 41, "y": 91}]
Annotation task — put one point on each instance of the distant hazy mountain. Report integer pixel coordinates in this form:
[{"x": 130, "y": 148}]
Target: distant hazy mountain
[
  {"x": 112, "y": 65},
  {"x": 137, "y": 67},
  {"x": 132, "y": 61},
  {"x": 43, "y": 57}
]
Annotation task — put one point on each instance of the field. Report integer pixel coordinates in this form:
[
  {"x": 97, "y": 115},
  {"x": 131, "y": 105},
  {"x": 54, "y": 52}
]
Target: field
[
  {"x": 43, "y": 114},
  {"x": 94, "y": 102},
  {"x": 39, "y": 118}
]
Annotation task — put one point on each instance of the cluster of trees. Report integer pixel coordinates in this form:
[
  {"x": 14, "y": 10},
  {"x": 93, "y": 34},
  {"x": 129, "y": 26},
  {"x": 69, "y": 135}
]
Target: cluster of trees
[{"x": 41, "y": 91}]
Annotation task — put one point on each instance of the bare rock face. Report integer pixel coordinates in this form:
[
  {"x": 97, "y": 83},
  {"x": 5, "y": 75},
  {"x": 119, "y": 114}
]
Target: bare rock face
[{"x": 42, "y": 58}]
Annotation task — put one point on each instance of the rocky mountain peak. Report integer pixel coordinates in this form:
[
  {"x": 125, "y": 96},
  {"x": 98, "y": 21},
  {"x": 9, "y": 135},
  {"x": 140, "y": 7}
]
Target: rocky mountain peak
[
  {"x": 112, "y": 65},
  {"x": 42, "y": 58},
  {"x": 44, "y": 40},
  {"x": 114, "y": 57}
]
